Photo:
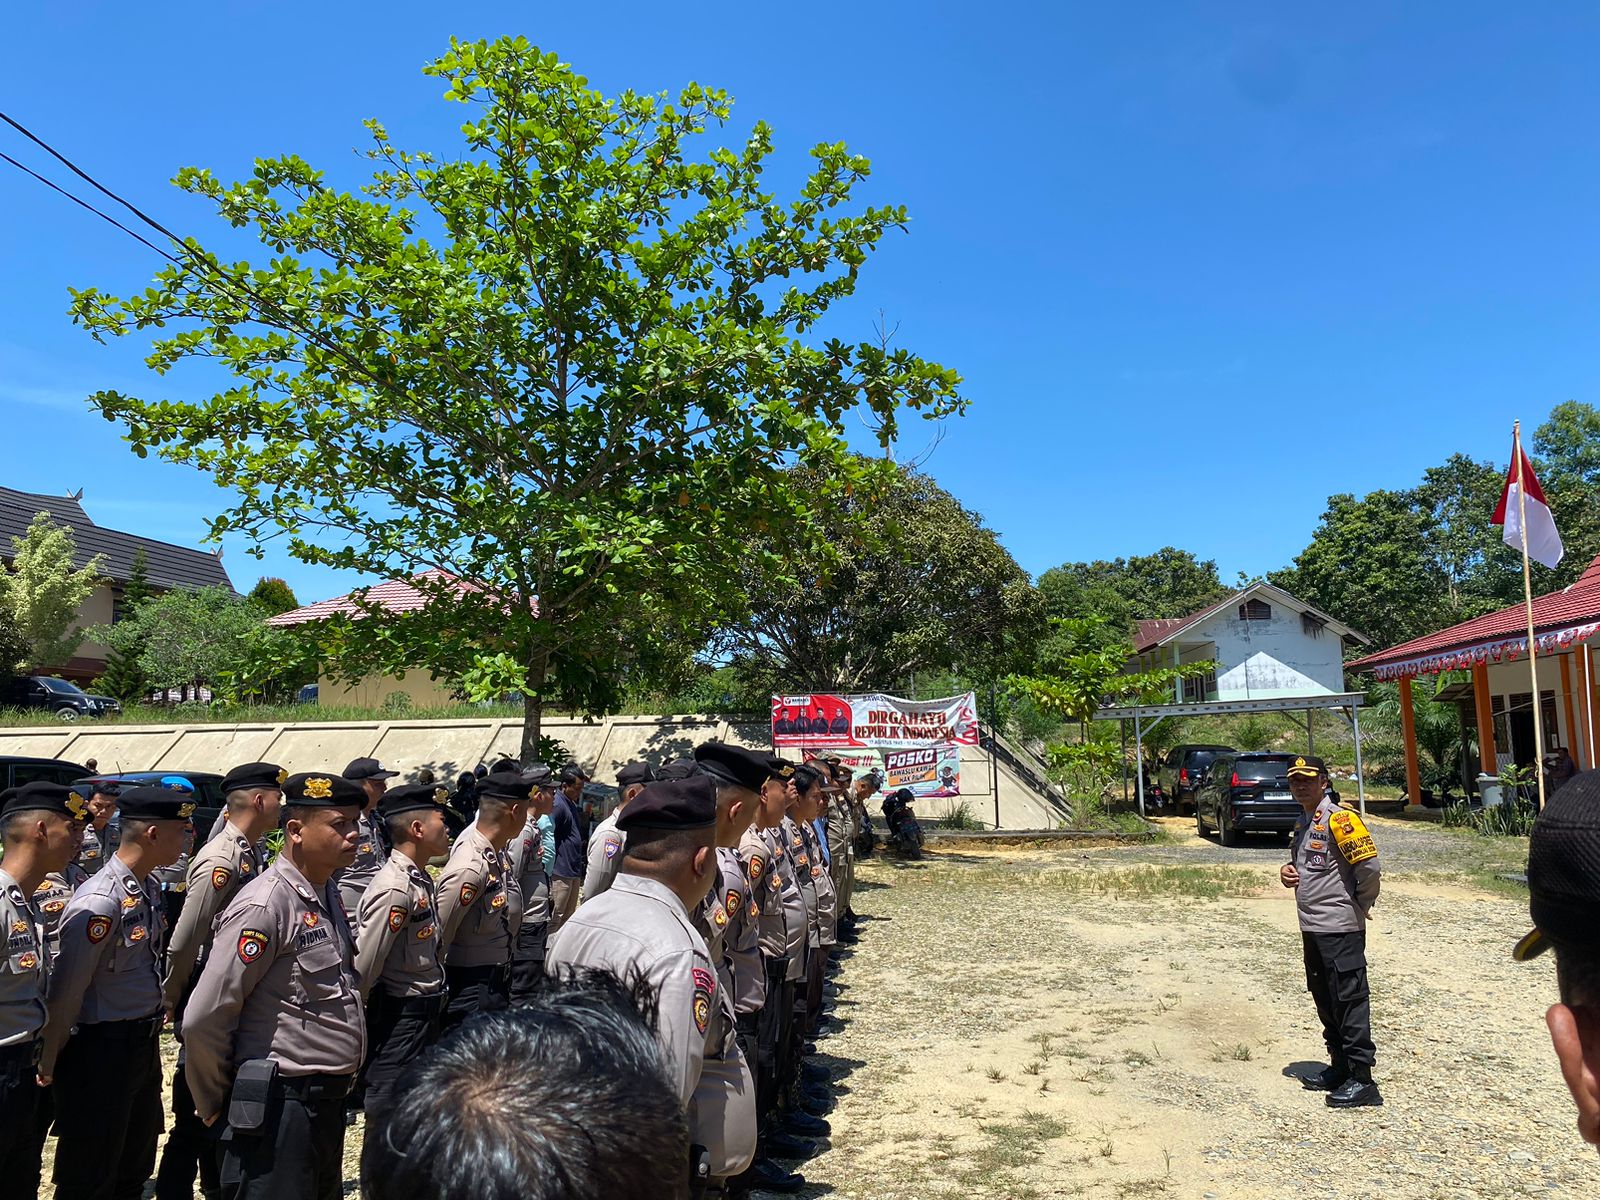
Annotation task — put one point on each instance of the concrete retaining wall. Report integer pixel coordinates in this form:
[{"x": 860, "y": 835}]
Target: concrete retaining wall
[{"x": 449, "y": 747}]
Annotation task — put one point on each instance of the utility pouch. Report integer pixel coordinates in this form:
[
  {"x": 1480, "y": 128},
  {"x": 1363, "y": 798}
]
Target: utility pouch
[
  {"x": 254, "y": 1093},
  {"x": 699, "y": 1171}
]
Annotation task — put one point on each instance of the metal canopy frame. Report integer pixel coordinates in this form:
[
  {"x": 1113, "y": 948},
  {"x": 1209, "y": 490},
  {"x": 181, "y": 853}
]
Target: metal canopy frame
[{"x": 1147, "y": 716}]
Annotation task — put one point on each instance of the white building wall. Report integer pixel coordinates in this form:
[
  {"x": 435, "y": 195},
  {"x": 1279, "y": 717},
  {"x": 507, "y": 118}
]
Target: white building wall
[
  {"x": 1507, "y": 679},
  {"x": 1262, "y": 660}
]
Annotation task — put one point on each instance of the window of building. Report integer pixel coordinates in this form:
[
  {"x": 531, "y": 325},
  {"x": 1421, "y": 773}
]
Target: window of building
[{"x": 1255, "y": 610}]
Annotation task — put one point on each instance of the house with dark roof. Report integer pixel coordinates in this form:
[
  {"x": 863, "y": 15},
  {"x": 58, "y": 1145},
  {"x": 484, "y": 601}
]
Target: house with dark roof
[
  {"x": 1497, "y": 701},
  {"x": 167, "y": 566},
  {"x": 1266, "y": 644}
]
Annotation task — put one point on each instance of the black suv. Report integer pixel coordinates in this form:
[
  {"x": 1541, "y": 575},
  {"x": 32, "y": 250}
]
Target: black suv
[
  {"x": 16, "y": 771},
  {"x": 1246, "y": 793},
  {"x": 66, "y": 700},
  {"x": 1181, "y": 769}
]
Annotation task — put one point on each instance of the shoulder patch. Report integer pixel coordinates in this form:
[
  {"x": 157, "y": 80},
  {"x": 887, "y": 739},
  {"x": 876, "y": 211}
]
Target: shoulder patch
[
  {"x": 397, "y": 918},
  {"x": 705, "y": 986},
  {"x": 97, "y": 929},
  {"x": 613, "y": 844},
  {"x": 220, "y": 877},
  {"x": 1351, "y": 836},
  {"x": 251, "y": 943},
  {"x": 757, "y": 864},
  {"x": 469, "y": 892}
]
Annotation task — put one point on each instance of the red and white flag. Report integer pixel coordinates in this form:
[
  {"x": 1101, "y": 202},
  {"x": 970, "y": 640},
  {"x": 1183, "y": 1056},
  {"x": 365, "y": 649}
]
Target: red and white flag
[{"x": 1544, "y": 543}]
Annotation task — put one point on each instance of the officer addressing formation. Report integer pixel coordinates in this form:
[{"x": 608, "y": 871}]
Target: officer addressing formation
[{"x": 693, "y": 977}]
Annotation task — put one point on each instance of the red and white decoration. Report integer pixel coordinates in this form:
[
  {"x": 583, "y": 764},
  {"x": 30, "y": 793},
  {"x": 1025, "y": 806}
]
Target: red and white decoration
[{"x": 1544, "y": 543}]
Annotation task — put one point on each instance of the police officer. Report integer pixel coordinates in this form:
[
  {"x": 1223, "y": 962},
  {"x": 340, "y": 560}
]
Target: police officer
[
  {"x": 252, "y": 794},
  {"x": 841, "y": 835},
  {"x": 606, "y": 842},
  {"x": 397, "y": 943},
  {"x": 1333, "y": 869},
  {"x": 36, "y": 823},
  {"x": 480, "y": 909},
  {"x": 107, "y": 983},
  {"x": 642, "y": 927},
  {"x": 99, "y": 838},
  {"x": 532, "y": 853},
  {"x": 370, "y": 850},
  {"x": 274, "y": 1031}
]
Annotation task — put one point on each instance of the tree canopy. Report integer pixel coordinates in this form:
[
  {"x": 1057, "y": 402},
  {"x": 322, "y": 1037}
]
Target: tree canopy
[
  {"x": 40, "y": 591},
  {"x": 568, "y": 365},
  {"x": 1167, "y": 583}
]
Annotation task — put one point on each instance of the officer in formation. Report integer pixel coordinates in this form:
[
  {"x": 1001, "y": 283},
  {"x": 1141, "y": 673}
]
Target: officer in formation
[
  {"x": 533, "y": 855},
  {"x": 606, "y": 842},
  {"x": 1333, "y": 869},
  {"x": 371, "y": 777},
  {"x": 100, "y": 1048},
  {"x": 252, "y": 796},
  {"x": 100, "y": 835}
]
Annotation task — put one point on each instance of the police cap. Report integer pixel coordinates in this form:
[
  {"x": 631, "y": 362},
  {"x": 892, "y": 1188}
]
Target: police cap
[
  {"x": 254, "y": 775},
  {"x": 672, "y": 804},
  {"x": 51, "y": 797},
  {"x": 322, "y": 789},
  {"x": 635, "y": 772},
  {"x": 1307, "y": 765},
  {"x": 1564, "y": 871},
  {"x": 367, "y": 768},
  {"x": 156, "y": 803},
  {"x": 413, "y": 797},
  {"x": 732, "y": 764},
  {"x": 506, "y": 785}
]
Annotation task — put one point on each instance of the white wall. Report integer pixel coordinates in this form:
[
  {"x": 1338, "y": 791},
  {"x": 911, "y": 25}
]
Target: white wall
[{"x": 1260, "y": 660}]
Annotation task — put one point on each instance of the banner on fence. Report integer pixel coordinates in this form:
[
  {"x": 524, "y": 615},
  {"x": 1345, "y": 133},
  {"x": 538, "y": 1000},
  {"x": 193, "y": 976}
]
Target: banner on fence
[
  {"x": 873, "y": 721},
  {"x": 926, "y": 770}
]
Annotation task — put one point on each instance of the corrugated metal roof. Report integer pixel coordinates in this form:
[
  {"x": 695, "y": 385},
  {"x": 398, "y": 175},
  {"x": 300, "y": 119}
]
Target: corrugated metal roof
[
  {"x": 1572, "y": 605},
  {"x": 168, "y": 566}
]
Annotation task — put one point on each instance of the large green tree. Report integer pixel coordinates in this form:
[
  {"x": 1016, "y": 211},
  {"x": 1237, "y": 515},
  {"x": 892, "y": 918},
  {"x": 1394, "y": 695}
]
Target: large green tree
[
  {"x": 1567, "y": 446},
  {"x": 916, "y": 583},
  {"x": 196, "y": 637},
  {"x": 1168, "y": 583},
  {"x": 568, "y": 364},
  {"x": 40, "y": 591}
]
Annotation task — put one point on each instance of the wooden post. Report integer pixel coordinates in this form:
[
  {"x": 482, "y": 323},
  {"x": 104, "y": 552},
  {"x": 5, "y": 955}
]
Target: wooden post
[
  {"x": 1566, "y": 701},
  {"x": 1408, "y": 734},
  {"x": 1585, "y": 708},
  {"x": 1480, "y": 696}
]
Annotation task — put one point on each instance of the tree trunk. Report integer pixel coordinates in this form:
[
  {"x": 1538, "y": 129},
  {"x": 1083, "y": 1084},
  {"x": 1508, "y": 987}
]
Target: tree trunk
[{"x": 533, "y": 707}]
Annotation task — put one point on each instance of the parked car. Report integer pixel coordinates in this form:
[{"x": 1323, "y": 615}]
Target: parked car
[
  {"x": 1246, "y": 793},
  {"x": 16, "y": 771},
  {"x": 66, "y": 700},
  {"x": 1181, "y": 769},
  {"x": 207, "y": 785},
  {"x": 109, "y": 705}
]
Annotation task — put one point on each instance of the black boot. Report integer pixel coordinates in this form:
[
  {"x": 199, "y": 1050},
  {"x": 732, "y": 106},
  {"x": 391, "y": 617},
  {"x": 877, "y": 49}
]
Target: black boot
[
  {"x": 765, "y": 1175},
  {"x": 1355, "y": 1093},
  {"x": 804, "y": 1124},
  {"x": 787, "y": 1145},
  {"x": 1325, "y": 1080},
  {"x": 814, "y": 1073}
]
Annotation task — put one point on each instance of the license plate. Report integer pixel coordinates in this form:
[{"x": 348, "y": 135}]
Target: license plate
[{"x": 1275, "y": 795}]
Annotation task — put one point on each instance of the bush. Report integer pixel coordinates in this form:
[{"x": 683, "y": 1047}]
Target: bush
[
  {"x": 396, "y": 703},
  {"x": 962, "y": 817}
]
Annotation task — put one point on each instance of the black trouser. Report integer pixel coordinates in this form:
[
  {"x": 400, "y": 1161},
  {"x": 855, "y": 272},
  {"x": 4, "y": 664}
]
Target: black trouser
[
  {"x": 769, "y": 1039},
  {"x": 19, "y": 1108},
  {"x": 172, "y": 908},
  {"x": 298, "y": 1153},
  {"x": 190, "y": 1147},
  {"x": 398, "y": 1029},
  {"x": 1336, "y": 974},
  {"x": 475, "y": 989},
  {"x": 108, "y": 1110},
  {"x": 527, "y": 960}
]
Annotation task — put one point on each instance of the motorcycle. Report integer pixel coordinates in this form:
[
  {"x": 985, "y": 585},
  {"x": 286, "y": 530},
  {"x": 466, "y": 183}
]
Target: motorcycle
[{"x": 905, "y": 832}]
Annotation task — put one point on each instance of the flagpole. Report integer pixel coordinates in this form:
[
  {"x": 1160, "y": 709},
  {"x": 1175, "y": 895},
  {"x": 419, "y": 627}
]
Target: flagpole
[{"x": 1527, "y": 597}]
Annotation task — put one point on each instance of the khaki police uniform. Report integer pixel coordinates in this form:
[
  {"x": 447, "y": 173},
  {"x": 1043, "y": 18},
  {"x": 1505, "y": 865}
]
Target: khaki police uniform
[
  {"x": 397, "y": 959},
  {"x": 281, "y": 984},
  {"x": 530, "y": 854},
  {"x": 50, "y": 902},
  {"x": 480, "y": 912},
  {"x": 98, "y": 847},
  {"x": 24, "y": 976},
  {"x": 106, "y": 982},
  {"x": 371, "y": 854},
  {"x": 606, "y": 846}
]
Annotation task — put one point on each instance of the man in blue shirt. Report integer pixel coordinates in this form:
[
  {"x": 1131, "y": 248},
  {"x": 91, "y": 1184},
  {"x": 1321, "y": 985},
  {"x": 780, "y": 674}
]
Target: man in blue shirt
[{"x": 566, "y": 876}]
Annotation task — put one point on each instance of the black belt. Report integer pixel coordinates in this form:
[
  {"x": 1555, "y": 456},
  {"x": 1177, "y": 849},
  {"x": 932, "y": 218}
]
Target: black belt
[
  {"x": 137, "y": 1030},
  {"x": 416, "y": 1006},
  {"x": 21, "y": 1052},
  {"x": 748, "y": 1023},
  {"x": 495, "y": 973},
  {"x": 316, "y": 1087}
]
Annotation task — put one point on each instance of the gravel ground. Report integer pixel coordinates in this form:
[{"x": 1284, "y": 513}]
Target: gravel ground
[{"x": 1126, "y": 1021}]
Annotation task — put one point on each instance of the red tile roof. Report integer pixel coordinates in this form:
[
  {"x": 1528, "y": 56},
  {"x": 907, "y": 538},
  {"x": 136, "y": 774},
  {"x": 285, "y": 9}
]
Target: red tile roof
[
  {"x": 1572, "y": 606},
  {"x": 1149, "y": 633},
  {"x": 393, "y": 596}
]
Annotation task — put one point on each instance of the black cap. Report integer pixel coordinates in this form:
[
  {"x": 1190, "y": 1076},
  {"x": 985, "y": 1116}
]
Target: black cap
[
  {"x": 367, "y": 768},
  {"x": 156, "y": 803},
  {"x": 635, "y": 772},
  {"x": 254, "y": 775},
  {"x": 52, "y": 797},
  {"x": 672, "y": 804},
  {"x": 413, "y": 797},
  {"x": 573, "y": 772},
  {"x": 1564, "y": 870},
  {"x": 1307, "y": 764},
  {"x": 732, "y": 764},
  {"x": 679, "y": 768},
  {"x": 503, "y": 765},
  {"x": 779, "y": 768},
  {"x": 323, "y": 789},
  {"x": 505, "y": 785},
  {"x": 538, "y": 775}
]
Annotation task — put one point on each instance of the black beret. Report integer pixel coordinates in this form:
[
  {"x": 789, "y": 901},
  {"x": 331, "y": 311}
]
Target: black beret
[
  {"x": 156, "y": 803},
  {"x": 779, "y": 768},
  {"x": 413, "y": 797},
  {"x": 53, "y": 797},
  {"x": 254, "y": 775},
  {"x": 679, "y": 768},
  {"x": 1564, "y": 870},
  {"x": 367, "y": 768},
  {"x": 503, "y": 765},
  {"x": 505, "y": 785},
  {"x": 322, "y": 789},
  {"x": 732, "y": 764},
  {"x": 573, "y": 772},
  {"x": 539, "y": 775},
  {"x": 635, "y": 772},
  {"x": 672, "y": 804}
]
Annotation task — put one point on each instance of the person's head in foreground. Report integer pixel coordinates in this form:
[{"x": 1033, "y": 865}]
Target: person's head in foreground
[
  {"x": 1564, "y": 901},
  {"x": 564, "y": 1098}
]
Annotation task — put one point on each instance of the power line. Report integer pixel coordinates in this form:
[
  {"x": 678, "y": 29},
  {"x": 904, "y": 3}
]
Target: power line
[{"x": 55, "y": 187}]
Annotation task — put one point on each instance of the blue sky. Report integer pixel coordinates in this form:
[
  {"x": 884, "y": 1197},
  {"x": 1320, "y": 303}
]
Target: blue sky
[{"x": 1201, "y": 265}]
